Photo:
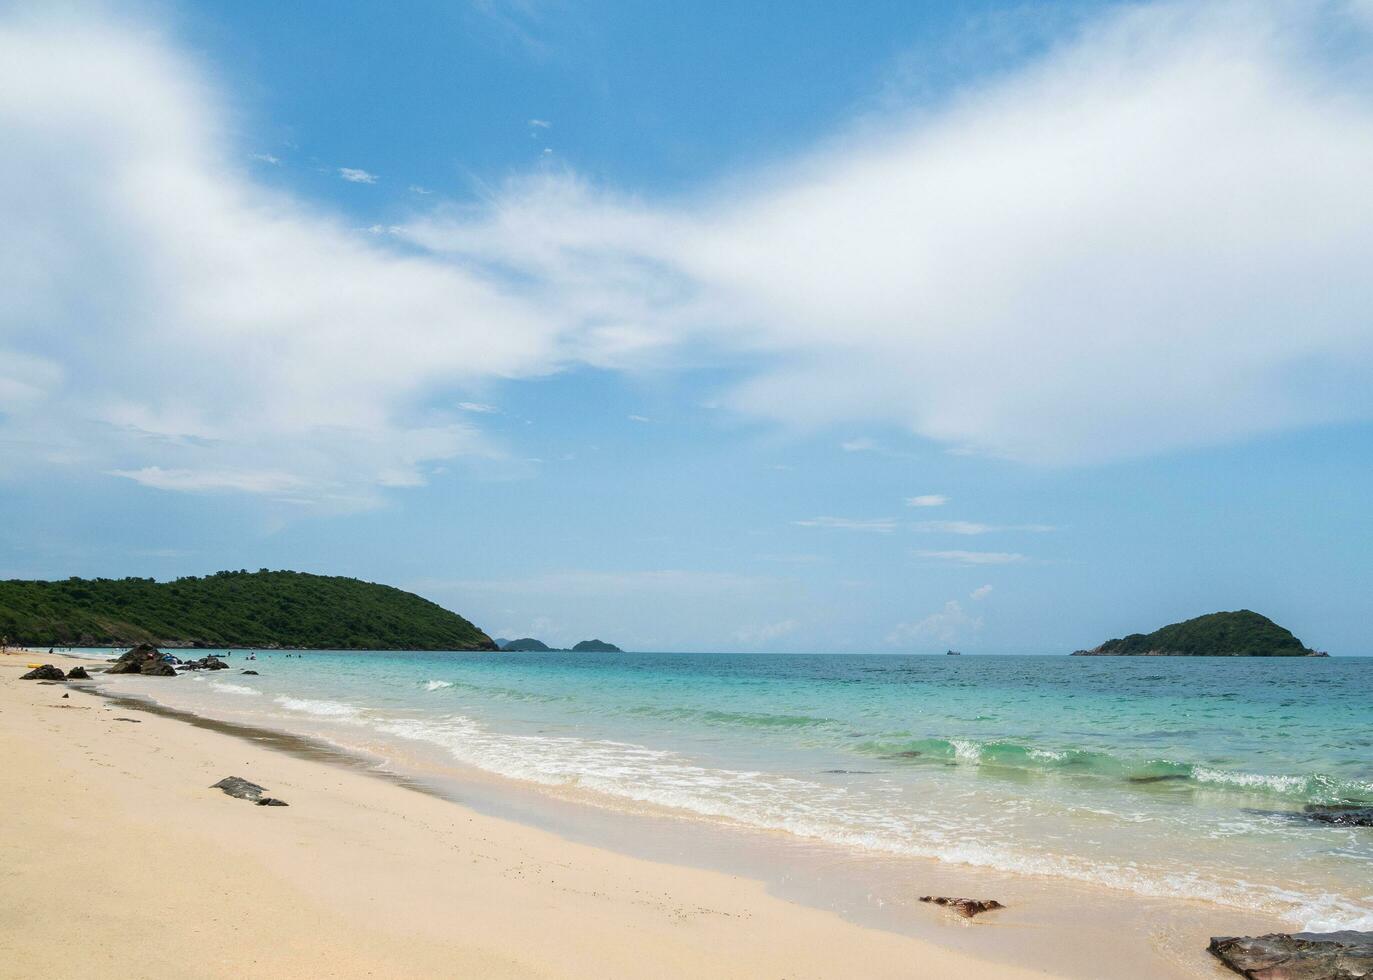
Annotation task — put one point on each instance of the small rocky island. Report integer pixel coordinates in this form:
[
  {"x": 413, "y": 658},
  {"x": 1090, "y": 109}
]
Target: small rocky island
[
  {"x": 530, "y": 645},
  {"x": 595, "y": 646},
  {"x": 1222, "y": 634}
]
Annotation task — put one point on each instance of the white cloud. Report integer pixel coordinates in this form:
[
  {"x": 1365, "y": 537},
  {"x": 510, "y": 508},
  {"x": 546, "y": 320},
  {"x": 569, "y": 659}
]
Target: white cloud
[
  {"x": 882, "y": 525},
  {"x": 608, "y": 585},
  {"x": 418, "y": 189},
  {"x": 539, "y": 124},
  {"x": 980, "y": 593},
  {"x": 355, "y": 176},
  {"x": 639, "y": 418},
  {"x": 945, "y": 626},
  {"x": 973, "y": 527},
  {"x": 188, "y": 321},
  {"x": 862, "y": 444},
  {"x": 1128, "y": 247},
  {"x": 211, "y": 480},
  {"x": 1156, "y": 237},
  {"x": 479, "y": 408},
  {"x": 927, "y": 500},
  {"x": 267, "y": 158},
  {"x": 766, "y": 633},
  {"x": 975, "y": 557}
]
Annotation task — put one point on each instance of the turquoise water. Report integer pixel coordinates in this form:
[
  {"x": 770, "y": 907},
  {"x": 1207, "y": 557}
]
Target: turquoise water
[{"x": 1164, "y": 777}]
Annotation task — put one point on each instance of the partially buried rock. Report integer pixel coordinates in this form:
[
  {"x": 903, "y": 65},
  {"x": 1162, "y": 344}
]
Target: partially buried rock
[
  {"x": 1340, "y": 816},
  {"x": 78, "y": 673},
  {"x": 240, "y": 788},
  {"x": 250, "y": 673},
  {"x": 1343, "y": 955},
  {"x": 157, "y": 668},
  {"x": 45, "y": 673},
  {"x": 966, "y": 907}
]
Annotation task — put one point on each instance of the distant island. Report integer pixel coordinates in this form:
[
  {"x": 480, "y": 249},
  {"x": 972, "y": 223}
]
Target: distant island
[
  {"x": 596, "y": 646},
  {"x": 262, "y": 609},
  {"x": 526, "y": 645},
  {"x": 530, "y": 645},
  {"x": 1222, "y": 634}
]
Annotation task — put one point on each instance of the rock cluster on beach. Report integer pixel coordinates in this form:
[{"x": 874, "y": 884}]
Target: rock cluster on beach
[
  {"x": 966, "y": 907},
  {"x": 142, "y": 659},
  {"x": 47, "y": 672},
  {"x": 1346, "y": 955},
  {"x": 205, "y": 663}
]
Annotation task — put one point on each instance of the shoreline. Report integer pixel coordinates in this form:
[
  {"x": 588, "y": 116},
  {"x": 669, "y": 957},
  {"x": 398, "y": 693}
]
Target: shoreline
[
  {"x": 120, "y": 860},
  {"x": 1035, "y": 930}
]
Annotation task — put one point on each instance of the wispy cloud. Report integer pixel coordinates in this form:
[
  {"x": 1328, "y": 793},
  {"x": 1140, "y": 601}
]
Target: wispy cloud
[
  {"x": 419, "y": 189},
  {"x": 540, "y": 124},
  {"x": 974, "y": 527},
  {"x": 882, "y": 525},
  {"x": 211, "y": 480},
  {"x": 267, "y": 158},
  {"x": 966, "y": 308},
  {"x": 980, "y": 593},
  {"x": 355, "y": 176},
  {"x": 479, "y": 408},
  {"x": 639, "y": 418},
  {"x": 608, "y": 584},
  {"x": 927, "y": 500},
  {"x": 766, "y": 633},
  {"x": 946, "y": 626},
  {"x": 975, "y": 557}
]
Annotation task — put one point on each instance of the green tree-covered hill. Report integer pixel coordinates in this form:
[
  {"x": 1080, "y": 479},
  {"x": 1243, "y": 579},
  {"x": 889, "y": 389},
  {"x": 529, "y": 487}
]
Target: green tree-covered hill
[
  {"x": 1222, "y": 634},
  {"x": 232, "y": 609}
]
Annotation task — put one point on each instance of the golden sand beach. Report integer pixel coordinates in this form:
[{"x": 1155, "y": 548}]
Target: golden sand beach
[{"x": 119, "y": 860}]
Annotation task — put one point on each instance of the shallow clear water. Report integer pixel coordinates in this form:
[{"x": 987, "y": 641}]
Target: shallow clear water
[{"x": 1165, "y": 777}]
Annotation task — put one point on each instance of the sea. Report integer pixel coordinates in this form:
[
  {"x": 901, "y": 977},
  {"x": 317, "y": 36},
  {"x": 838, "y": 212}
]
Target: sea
[{"x": 1184, "y": 778}]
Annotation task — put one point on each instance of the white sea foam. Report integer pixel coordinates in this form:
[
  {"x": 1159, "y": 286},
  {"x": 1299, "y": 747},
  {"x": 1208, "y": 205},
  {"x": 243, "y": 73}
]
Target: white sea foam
[
  {"x": 437, "y": 685},
  {"x": 1252, "y": 780},
  {"x": 324, "y": 709},
  {"x": 621, "y": 771},
  {"x": 228, "y": 688}
]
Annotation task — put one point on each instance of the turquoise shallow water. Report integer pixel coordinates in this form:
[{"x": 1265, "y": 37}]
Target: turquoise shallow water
[{"x": 1164, "y": 777}]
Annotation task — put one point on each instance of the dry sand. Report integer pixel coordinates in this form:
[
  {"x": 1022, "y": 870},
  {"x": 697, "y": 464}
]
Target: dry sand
[{"x": 118, "y": 860}]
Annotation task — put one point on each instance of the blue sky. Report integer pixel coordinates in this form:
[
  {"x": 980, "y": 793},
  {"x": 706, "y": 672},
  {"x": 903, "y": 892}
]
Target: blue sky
[{"x": 880, "y": 327}]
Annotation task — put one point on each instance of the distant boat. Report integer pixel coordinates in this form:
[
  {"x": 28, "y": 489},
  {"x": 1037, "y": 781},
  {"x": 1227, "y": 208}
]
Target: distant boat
[{"x": 952, "y": 653}]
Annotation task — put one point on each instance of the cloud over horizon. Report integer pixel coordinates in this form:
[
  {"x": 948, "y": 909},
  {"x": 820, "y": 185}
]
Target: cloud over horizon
[{"x": 1154, "y": 238}]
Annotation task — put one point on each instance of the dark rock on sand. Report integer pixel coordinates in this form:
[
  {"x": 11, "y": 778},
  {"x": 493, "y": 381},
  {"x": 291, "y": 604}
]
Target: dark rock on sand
[
  {"x": 239, "y": 788},
  {"x": 966, "y": 907},
  {"x": 157, "y": 668},
  {"x": 66, "y": 695},
  {"x": 1340, "y": 816},
  {"x": 78, "y": 673},
  {"x": 243, "y": 790},
  {"x": 131, "y": 721},
  {"x": 45, "y": 673},
  {"x": 1344, "y": 955},
  {"x": 250, "y": 673},
  {"x": 1172, "y": 777},
  {"x": 1334, "y": 814}
]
